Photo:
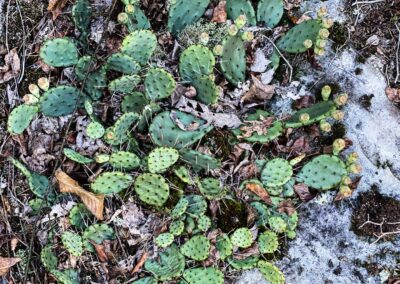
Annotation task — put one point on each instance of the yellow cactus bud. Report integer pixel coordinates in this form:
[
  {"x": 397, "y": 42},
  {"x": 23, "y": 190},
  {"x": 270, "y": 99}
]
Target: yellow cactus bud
[
  {"x": 240, "y": 22},
  {"x": 354, "y": 169},
  {"x": 338, "y": 146},
  {"x": 34, "y": 89},
  {"x": 44, "y": 83},
  {"x": 130, "y": 9},
  {"x": 325, "y": 126},
  {"x": 204, "y": 38},
  {"x": 233, "y": 30},
  {"x": 327, "y": 23},
  {"x": 247, "y": 36},
  {"x": 123, "y": 18},
  {"x": 338, "y": 115},
  {"x": 323, "y": 33},
  {"x": 341, "y": 100},
  {"x": 326, "y": 92},
  {"x": 218, "y": 50},
  {"x": 352, "y": 158},
  {"x": 345, "y": 191},
  {"x": 304, "y": 117},
  {"x": 322, "y": 12},
  {"x": 308, "y": 43},
  {"x": 346, "y": 180}
]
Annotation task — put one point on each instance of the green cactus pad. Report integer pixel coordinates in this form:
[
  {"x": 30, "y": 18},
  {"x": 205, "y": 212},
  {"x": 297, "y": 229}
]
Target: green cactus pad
[
  {"x": 316, "y": 112},
  {"x": 124, "y": 160},
  {"x": 78, "y": 215},
  {"x": 139, "y": 45},
  {"x": 145, "y": 280},
  {"x": 243, "y": 264},
  {"x": 134, "y": 102},
  {"x": 162, "y": 158},
  {"x": 164, "y": 240},
  {"x": 268, "y": 242},
  {"x": 197, "y": 248},
  {"x": 138, "y": 21},
  {"x": 263, "y": 213},
  {"x": 242, "y": 238},
  {"x": 293, "y": 40},
  {"x": 147, "y": 116},
  {"x": 124, "y": 84},
  {"x": 97, "y": 233},
  {"x": 270, "y": 272},
  {"x": 59, "y": 52},
  {"x": 67, "y": 276},
  {"x": 76, "y": 157},
  {"x": 122, "y": 63},
  {"x": 236, "y": 8},
  {"x": 48, "y": 258},
  {"x": 95, "y": 83},
  {"x": 72, "y": 242},
  {"x": 85, "y": 65},
  {"x": 276, "y": 172},
  {"x": 20, "y": 118},
  {"x": 165, "y": 132},
  {"x": 159, "y": 84},
  {"x": 37, "y": 205},
  {"x": 277, "y": 224},
  {"x": 198, "y": 160},
  {"x": 196, "y": 61},
  {"x": 183, "y": 174},
  {"x": 270, "y": 12},
  {"x": 203, "y": 223},
  {"x": 183, "y": 13},
  {"x": 209, "y": 275},
  {"x": 224, "y": 246},
  {"x": 176, "y": 228},
  {"x": 59, "y": 101},
  {"x": 81, "y": 13},
  {"x": 111, "y": 182},
  {"x": 95, "y": 130},
  {"x": 211, "y": 188},
  {"x": 180, "y": 208},
  {"x": 168, "y": 265},
  {"x": 197, "y": 205},
  {"x": 152, "y": 189},
  {"x": 207, "y": 91},
  {"x": 233, "y": 60},
  {"x": 324, "y": 172},
  {"x": 118, "y": 133},
  {"x": 190, "y": 225}
]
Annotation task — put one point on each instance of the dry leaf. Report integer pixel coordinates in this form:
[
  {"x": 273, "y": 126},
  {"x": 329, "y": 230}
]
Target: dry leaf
[
  {"x": 257, "y": 126},
  {"x": 303, "y": 192},
  {"x": 258, "y": 91},
  {"x": 393, "y": 94},
  {"x": 286, "y": 207},
  {"x": 260, "y": 192},
  {"x": 12, "y": 66},
  {"x": 219, "y": 15},
  {"x": 140, "y": 263},
  {"x": 93, "y": 202},
  {"x": 55, "y": 7},
  {"x": 100, "y": 251},
  {"x": 6, "y": 263}
]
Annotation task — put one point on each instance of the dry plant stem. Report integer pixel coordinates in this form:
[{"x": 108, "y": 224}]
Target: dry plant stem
[
  {"x": 367, "y": 2},
  {"x": 382, "y": 234},
  {"x": 283, "y": 57},
  {"x": 397, "y": 55}
]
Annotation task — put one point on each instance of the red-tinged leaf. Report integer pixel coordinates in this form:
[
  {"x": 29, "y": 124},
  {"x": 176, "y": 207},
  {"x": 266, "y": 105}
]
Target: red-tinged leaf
[{"x": 260, "y": 192}]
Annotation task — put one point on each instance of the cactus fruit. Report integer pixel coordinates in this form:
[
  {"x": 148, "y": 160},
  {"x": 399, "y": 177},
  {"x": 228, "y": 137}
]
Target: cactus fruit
[
  {"x": 224, "y": 246},
  {"x": 124, "y": 84},
  {"x": 118, "y": 133},
  {"x": 242, "y": 238},
  {"x": 211, "y": 188},
  {"x": 164, "y": 240},
  {"x": 20, "y": 118},
  {"x": 59, "y": 101},
  {"x": 246, "y": 263},
  {"x": 203, "y": 223},
  {"x": 233, "y": 60},
  {"x": 170, "y": 264},
  {"x": 139, "y": 45},
  {"x": 134, "y": 102},
  {"x": 72, "y": 242},
  {"x": 122, "y": 63},
  {"x": 197, "y": 205},
  {"x": 324, "y": 172},
  {"x": 76, "y": 157},
  {"x": 152, "y": 189},
  {"x": 165, "y": 132},
  {"x": 270, "y": 12},
  {"x": 277, "y": 224},
  {"x": 197, "y": 248},
  {"x": 183, "y": 174},
  {"x": 59, "y": 52},
  {"x": 196, "y": 61},
  {"x": 48, "y": 258},
  {"x": 270, "y": 272},
  {"x": 95, "y": 130},
  {"x": 276, "y": 172},
  {"x": 183, "y": 13},
  {"x": 159, "y": 84},
  {"x": 97, "y": 233},
  {"x": 209, "y": 275},
  {"x": 315, "y": 113},
  {"x": 236, "y": 8},
  {"x": 180, "y": 208},
  {"x": 111, "y": 182},
  {"x": 124, "y": 160},
  {"x": 268, "y": 242},
  {"x": 78, "y": 215},
  {"x": 198, "y": 160},
  {"x": 176, "y": 228},
  {"x": 162, "y": 158}
]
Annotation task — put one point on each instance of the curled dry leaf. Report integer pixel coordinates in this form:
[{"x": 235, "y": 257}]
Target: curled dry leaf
[
  {"x": 303, "y": 192},
  {"x": 260, "y": 192},
  {"x": 258, "y": 91},
  {"x": 6, "y": 263},
  {"x": 259, "y": 126},
  {"x": 12, "y": 66},
  {"x": 93, "y": 202},
  {"x": 140, "y": 263},
  {"x": 55, "y": 7},
  {"x": 100, "y": 251},
  {"x": 219, "y": 15}
]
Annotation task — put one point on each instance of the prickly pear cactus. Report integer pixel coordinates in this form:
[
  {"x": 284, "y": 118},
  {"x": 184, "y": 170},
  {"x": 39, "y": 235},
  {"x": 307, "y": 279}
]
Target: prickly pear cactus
[
  {"x": 20, "y": 118},
  {"x": 81, "y": 13},
  {"x": 79, "y": 215},
  {"x": 165, "y": 132},
  {"x": 84, "y": 66},
  {"x": 164, "y": 240},
  {"x": 236, "y": 8},
  {"x": 233, "y": 60},
  {"x": 196, "y": 61},
  {"x": 139, "y": 45},
  {"x": 124, "y": 84},
  {"x": 122, "y": 63},
  {"x": 124, "y": 160},
  {"x": 95, "y": 130},
  {"x": 197, "y": 205},
  {"x": 59, "y": 52},
  {"x": 314, "y": 114},
  {"x": 95, "y": 82},
  {"x": 242, "y": 238},
  {"x": 270, "y": 272},
  {"x": 161, "y": 159},
  {"x": 111, "y": 182},
  {"x": 152, "y": 189},
  {"x": 67, "y": 276},
  {"x": 137, "y": 20},
  {"x": 324, "y": 172},
  {"x": 72, "y": 242},
  {"x": 59, "y": 101},
  {"x": 268, "y": 242},
  {"x": 197, "y": 248},
  {"x": 159, "y": 84},
  {"x": 169, "y": 264},
  {"x": 198, "y": 160},
  {"x": 76, "y": 157},
  {"x": 183, "y": 13},
  {"x": 269, "y": 12},
  {"x": 134, "y": 102},
  {"x": 145, "y": 280},
  {"x": 203, "y": 223},
  {"x": 209, "y": 275},
  {"x": 180, "y": 208},
  {"x": 224, "y": 246},
  {"x": 118, "y": 133},
  {"x": 183, "y": 174},
  {"x": 277, "y": 224},
  {"x": 276, "y": 172},
  {"x": 207, "y": 91},
  {"x": 97, "y": 233},
  {"x": 243, "y": 264},
  {"x": 211, "y": 188},
  {"x": 176, "y": 228},
  {"x": 48, "y": 258}
]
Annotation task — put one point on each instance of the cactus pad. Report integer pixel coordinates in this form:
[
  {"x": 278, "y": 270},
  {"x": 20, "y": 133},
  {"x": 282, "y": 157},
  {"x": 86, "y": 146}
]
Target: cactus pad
[
  {"x": 124, "y": 84},
  {"x": 139, "y": 45},
  {"x": 183, "y": 174},
  {"x": 199, "y": 161},
  {"x": 197, "y": 248},
  {"x": 160, "y": 159},
  {"x": 122, "y": 63},
  {"x": 97, "y": 233},
  {"x": 242, "y": 238},
  {"x": 48, "y": 258},
  {"x": 95, "y": 82},
  {"x": 243, "y": 264},
  {"x": 134, "y": 102},
  {"x": 84, "y": 66},
  {"x": 203, "y": 223},
  {"x": 81, "y": 13},
  {"x": 111, "y": 182},
  {"x": 196, "y": 61},
  {"x": 118, "y": 133},
  {"x": 197, "y": 205},
  {"x": 211, "y": 188},
  {"x": 316, "y": 113},
  {"x": 95, "y": 130},
  {"x": 277, "y": 224},
  {"x": 159, "y": 84},
  {"x": 209, "y": 275},
  {"x": 276, "y": 172},
  {"x": 180, "y": 208},
  {"x": 20, "y": 118},
  {"x": 145, "y": 280},
  {"x": 59, "y": 52},
  {"x": 152, "y": 189},
  {"x": 124, "y": 160},
  {"x": 164, "y": 240},
  {"x": 72, "y": 242},
  {"x": 233, "y": 60},
  {"x": 270, "y": 12},
  {"x": 78, "y": 214},
  {"x": 207, "y": 91},
  {"x": 183, "y": 13},
  {"x": 224, "y": 246},
  {"x": 270, "y": 272},
  {"x": 176, "y": 228},
  {"x": 236, "y": 8},
  {"x": 76, "y": 157},
  {"x": 268, "y": 242},
  {"x": 59, "y": 101}
]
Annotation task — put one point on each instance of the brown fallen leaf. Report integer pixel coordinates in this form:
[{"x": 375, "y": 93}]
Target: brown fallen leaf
[
  {"x": 258, "y": 91},
  {"x": 219, "y": 15},
  {"x": 93, "y": 202},
  {"x": 260, "y": 127},
  {"x": 303, "y": 192},
  {"x": 6, "y": 263},
  {"x": 393, "y": 94},
  {"x": 260, "y": 192},
  {"x": 140, "y": 263},
  {"x": 100, "y": 251},
  {"x": 55, "y": 7},
  {"x": 286, "y": 207},
  {"x": 12, "y": 66}
]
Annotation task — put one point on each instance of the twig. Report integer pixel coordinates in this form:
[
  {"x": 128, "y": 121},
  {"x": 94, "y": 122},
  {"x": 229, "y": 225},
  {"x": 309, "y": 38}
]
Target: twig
[
  {"x": 397, "y": 55},
  {"x": 367, "y": 2},
  {"x": 382, "y": 234},
  {"x": 284, "y": 58}
]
